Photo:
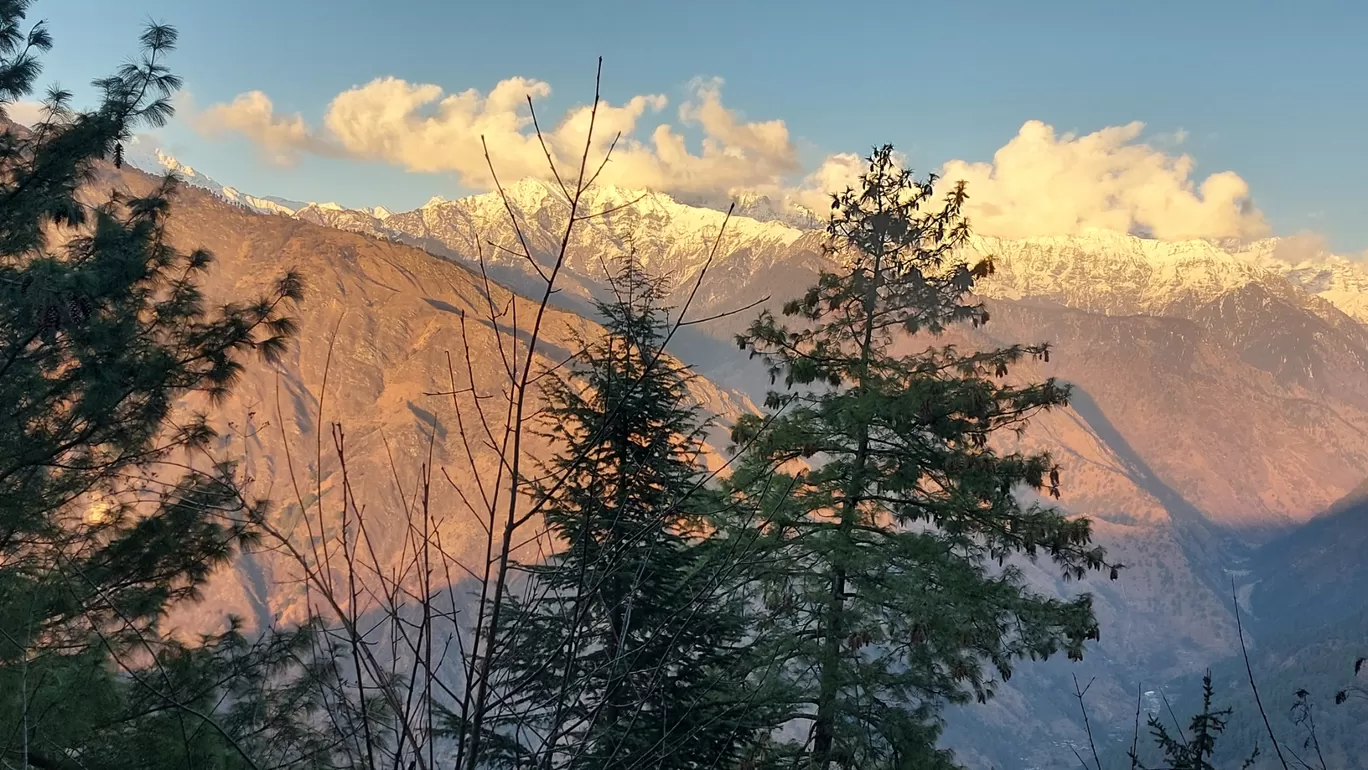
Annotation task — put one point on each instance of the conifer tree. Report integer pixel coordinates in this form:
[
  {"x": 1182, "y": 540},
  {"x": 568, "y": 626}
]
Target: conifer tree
[
  {"x": 624, "y": 653},
  {"x": 106, "y": 517},
  {"x": 884, "y": 561},
  {"x": 1195, "y": 749}
]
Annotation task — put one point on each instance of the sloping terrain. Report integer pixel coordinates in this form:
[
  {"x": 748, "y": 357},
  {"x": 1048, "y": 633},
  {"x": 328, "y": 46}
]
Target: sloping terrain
[
  {"x": 384, "y": 326},
  {"x": 1221, "y": 395}
]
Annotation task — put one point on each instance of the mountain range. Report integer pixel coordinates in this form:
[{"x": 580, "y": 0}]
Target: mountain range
[{"x": 1221, "y": 395}]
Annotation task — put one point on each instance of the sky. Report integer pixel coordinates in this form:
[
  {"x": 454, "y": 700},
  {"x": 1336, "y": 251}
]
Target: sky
[{"x": 1205, "y": 118}]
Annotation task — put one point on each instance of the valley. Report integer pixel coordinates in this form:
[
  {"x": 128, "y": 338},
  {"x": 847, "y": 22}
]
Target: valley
[{"x": 1219, "y": 418}]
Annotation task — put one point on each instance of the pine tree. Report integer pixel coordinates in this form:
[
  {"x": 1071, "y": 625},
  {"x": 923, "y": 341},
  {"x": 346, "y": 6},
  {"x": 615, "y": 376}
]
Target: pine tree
[
  {"x": 624, "y": 652},
  {"x": 1196, "y": 749},
  {"x": 103, "y": 332},
  {"x": 884, "y": 562}
]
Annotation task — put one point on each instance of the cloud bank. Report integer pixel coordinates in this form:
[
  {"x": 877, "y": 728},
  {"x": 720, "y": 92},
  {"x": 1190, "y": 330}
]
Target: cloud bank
[
  {"x": 25, "y": 113},
  {"x": 1039, "y": 183},
  {"x": 421, "y": 128}
]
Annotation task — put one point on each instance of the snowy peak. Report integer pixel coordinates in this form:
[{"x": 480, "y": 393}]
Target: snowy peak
[
  {"x": 1114, "y": 273},
  {"x": 263, "y": 205},
  {"x": 661, "y": 231},
  {"x": 1098, "y": 270},
  {"x": 766, "y": 209},
  {"x": 1339, "y": 280},
  {"x": 604, "y": 203},
  {"x": 171, "y": 164},
  {"x": 1235, "y": 295},
  {"x": 154, "y": 160}
]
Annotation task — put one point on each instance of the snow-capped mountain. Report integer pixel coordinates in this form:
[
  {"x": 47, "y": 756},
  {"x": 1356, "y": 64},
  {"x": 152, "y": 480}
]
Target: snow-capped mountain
[
  {"x": 1339, "y": 280},
  {"x": 760, "y": 207},
  {"x": 664, "y": 234},
  {"x": 1102, "y": 271},
  {"x": 1219, "y": 387},
  {"x": 667, "y": 236},
  {"x": 155, "y": 161},
  {"x": 1193, "y": 308},
  {"x": 1098, "y": 271},
  {"x": 1300, "y": 320}
]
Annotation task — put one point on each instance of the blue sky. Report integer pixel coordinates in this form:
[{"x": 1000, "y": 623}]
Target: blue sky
[{"x": 1276, "y": 92}]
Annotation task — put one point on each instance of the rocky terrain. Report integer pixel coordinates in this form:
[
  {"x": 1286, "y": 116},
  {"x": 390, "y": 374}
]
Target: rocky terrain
[
  {"x": 1221, "y": 391},
  {"x": 385, "y": 334}
]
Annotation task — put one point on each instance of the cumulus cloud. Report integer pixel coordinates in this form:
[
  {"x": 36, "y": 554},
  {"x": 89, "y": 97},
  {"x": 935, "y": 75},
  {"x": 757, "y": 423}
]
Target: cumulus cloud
[
  {"x": 420, "y": 127},
  {"x": 813, "y": 190},
  {"x": 1040, "y": 183},
  {"x": 1043, "y": 183},
  {"x": 281, "y": 138},
  {"x": 25, "y": 113},
  {"x": 1303, "y": 247}
]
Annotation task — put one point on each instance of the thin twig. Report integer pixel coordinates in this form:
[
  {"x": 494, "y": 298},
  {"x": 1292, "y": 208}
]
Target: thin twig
[
  {"x": 1087, "y": 726},
  {"x": 1249, "y": 670}
]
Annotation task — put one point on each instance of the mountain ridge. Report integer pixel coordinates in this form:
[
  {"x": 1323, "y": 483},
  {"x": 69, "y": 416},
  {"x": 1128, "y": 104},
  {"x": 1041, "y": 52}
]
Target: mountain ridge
[
  {"x": 1240, "y": 299},
  {"x": 1220, "y": 401},
  {"x": 1221, "y": 264}
]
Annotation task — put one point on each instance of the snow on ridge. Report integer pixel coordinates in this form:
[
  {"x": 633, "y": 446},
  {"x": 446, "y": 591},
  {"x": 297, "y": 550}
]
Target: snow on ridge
[
  {"x": 155, "y": 160},
  {"x": 611, "y": 207},
  {"x": 1101, "y": 270},
  {"x": 264, "y": 205},
  {"x": 171, "y": 164},
  {"x": 1114, "y": 273},
  {"x": 1111, "y": 272}
]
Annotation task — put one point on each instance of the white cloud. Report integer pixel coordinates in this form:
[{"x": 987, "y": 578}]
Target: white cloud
[
  {"x": 1039, "y": 183},
  {"x": 1172, "y": 138},
  {"x": 420, "y": 128},
  {"x": 813, "y": 191},
  {"x": 1302, "y": 247},
  {"x": 281, "y": 139},
  {"x": 25, "y": 113}
]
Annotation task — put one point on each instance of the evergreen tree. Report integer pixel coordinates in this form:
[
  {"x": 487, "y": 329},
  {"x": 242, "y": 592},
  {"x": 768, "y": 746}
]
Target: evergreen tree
[
  {"x": 884, "y": 561},
  {"x": 1196, "y": 749},
  {"x": 103, "y": 332},
  {"x": 624, "y": 651}
]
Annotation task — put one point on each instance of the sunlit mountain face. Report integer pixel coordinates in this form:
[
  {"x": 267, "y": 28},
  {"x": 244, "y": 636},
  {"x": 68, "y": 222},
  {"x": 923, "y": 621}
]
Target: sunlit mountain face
[
  {"x": 1221, "y": 387},
  {"x": 468, "y": 510}
]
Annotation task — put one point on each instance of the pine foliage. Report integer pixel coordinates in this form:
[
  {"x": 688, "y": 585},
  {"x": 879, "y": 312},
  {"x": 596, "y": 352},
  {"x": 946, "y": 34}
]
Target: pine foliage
[
  {"x": 111, "y": 509},
  {"x": 624, "y": 653},
  {"x": 889, "y": 529},
  {"x": 1195, "y": 749}
]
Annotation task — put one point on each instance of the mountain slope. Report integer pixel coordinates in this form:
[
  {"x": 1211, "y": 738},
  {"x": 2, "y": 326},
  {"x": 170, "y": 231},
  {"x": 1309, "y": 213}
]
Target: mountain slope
[
  {"x": 1301, "y": 361},
  {"x": 1315, "y": 575},
  {"x": 1274, "y": 325},
  {"x": 1278, "y": 317},
  {"x": 1222, "y": 394},
  {"x": 386, "y": 326}
]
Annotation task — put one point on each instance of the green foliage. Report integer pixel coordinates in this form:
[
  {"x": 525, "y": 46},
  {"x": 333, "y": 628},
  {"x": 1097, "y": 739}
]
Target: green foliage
[
  {"x": 1195, "y": 749},
  {"x": 219, "y": 703},
  {"x": 623, "y": 648},
  {"x": 99, "y": 337},
  {"x": 883, "y": 560},
  {"x": 111, "y": 511},
  {"x": 1312, "y": 693}
]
